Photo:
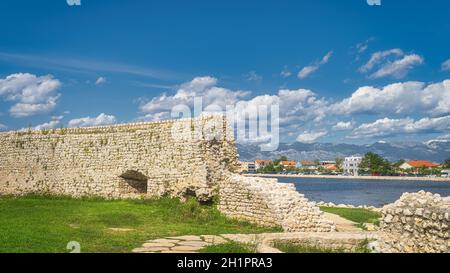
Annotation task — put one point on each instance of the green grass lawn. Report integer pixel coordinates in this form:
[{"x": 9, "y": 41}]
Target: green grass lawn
[
  {"x": 359, "y": 216},
  {"x": 47, "y": 224}
]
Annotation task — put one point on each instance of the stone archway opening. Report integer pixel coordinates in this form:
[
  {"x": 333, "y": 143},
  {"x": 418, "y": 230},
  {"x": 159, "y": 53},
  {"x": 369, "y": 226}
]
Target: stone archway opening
[{"x": 133, "y": 182}]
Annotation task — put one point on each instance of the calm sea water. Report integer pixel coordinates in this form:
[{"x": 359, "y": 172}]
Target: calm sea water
[{"x": 362, "y": 192}]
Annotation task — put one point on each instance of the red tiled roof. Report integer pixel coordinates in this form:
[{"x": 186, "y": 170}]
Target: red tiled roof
[
  {"x": 330, "y": 167},
  {"x": 307, "y": 163},
  {"x": 263, "y": 161},
  {"x": 288, "y": 163},
  {"x": 421, "y": 163}
]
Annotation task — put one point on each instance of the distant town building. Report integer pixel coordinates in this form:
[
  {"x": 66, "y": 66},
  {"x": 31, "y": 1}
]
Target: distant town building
[
  {"x": 330, "y": 167},
  {"x": 288, "y": 164},
  {"x": 308, "y": 165},
  {"x": 351, "y": 165},
  {"x": 446, "y": 173},
  {"x": 250, "y": 167},
  {"x": 415, "y": 164},
  {"x": 327, "y": 162},
  {"x": 259, "y": 164}
]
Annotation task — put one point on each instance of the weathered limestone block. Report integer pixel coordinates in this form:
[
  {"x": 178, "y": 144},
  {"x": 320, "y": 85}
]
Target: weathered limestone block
[{"x": 418, "y": 223}]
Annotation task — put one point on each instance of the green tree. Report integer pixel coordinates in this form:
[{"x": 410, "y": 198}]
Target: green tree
[
  {"x": 269, "y": 168},
  {"x": 339, "y": 164},
  {"x": 279, "y": 169},
  {"x": 399, "y": 163},
  {"x": 278, "y": 161},
  {"x": 447, "y": 163},
  {"x": 373, "y": 163}
]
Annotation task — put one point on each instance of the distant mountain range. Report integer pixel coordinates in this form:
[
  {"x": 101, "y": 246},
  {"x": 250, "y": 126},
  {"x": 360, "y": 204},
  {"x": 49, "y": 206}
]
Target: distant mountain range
[{"x": 434, "y": 150}]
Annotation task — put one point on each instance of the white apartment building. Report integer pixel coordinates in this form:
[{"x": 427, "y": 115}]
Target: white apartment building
[{"x": 351, "y": 165}]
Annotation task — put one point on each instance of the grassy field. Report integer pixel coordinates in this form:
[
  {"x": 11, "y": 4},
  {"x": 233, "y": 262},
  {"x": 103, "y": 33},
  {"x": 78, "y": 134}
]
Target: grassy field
[
  {"x": 359, "y": 216},
  {"x": 47, "y": 224}
]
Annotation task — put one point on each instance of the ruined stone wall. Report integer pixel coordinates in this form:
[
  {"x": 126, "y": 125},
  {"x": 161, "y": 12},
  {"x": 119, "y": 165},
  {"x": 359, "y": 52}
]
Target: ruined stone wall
[
  {"x": 194, "y": 157},
  {"x": 417, "y": 223},
  {"x": 120, "y": 161},
  {"x": 266, "y": 202}
]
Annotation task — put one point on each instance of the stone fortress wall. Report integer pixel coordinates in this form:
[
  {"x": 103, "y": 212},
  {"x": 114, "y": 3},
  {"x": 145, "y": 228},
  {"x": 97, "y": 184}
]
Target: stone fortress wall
[
  {"x": 416, "y": 223},
  {"x": 178, "y": 158},
  {"x": 120, "y": 161}
]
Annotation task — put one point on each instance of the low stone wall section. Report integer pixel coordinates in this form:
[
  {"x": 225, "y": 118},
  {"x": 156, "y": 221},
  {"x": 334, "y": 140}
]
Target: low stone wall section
[{"x": 269, "y": 203}]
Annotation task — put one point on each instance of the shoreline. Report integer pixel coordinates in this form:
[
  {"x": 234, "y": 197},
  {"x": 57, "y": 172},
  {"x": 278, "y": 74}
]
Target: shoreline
[{"x": 393, "y": 178}]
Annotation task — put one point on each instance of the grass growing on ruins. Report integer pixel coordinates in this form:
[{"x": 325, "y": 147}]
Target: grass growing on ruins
[
  {"x": 48, "y": 224},
  {"x": 360, "y": 216},
  {"x": 230, "y": 247}
]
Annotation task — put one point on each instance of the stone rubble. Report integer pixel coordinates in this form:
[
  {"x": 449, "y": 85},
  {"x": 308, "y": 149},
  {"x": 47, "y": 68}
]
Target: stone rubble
[
  {"x": 416, "y": 223},
  {"x": 332, "y": 205}
]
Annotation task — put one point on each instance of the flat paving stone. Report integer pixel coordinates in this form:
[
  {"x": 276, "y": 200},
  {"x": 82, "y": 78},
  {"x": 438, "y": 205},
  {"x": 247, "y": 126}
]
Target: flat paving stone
[
  {"x": 193, "y": 243},
  {"x": 146, "y": 245},
  {"x": 186, "y": 248},
  {"x": 163, "y": 241},
  {"x": 187, "y": 238}
]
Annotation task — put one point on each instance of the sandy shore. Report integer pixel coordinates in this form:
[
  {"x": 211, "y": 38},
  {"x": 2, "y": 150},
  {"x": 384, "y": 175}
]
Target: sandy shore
[{"x": 354, "y": 177}]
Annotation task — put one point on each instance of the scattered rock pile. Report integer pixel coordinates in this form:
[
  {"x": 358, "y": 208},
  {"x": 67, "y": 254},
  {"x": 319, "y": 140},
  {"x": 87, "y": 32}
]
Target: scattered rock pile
[
  {"x": 345, "y": 206},
  {"x": 418, "y": 223}
]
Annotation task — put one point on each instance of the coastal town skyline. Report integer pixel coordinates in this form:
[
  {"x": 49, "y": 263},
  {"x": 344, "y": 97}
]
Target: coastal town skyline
[{"x": 360, "y": 81}]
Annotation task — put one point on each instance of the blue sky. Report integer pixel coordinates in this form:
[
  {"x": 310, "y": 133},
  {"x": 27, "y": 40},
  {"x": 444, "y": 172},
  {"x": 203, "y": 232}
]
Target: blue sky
[{"x": 121, "y": 61}]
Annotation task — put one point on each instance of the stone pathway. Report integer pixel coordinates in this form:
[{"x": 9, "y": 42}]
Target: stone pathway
[
  {"x": 193, "y": 244},
  {"x": 180, "y": 244},
  {"x": 347, "y": 230}
]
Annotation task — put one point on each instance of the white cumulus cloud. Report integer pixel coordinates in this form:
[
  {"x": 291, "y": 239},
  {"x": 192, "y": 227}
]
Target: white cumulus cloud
[
  {"x": 3, "y": 127},
  {"x": 378, "y": 57},
  {"x": 32, "y": 95},
  {"x": 102, "y": 119},
  {"x": 54, "y": 123},
  {"x": 399, "y": 68},
  {"x": 398, "y": 99},
  {"x": 391, "y": 63},
  {"x": 342, "y": 126},
  {"x": 308, "y": 70},
  {"x": 302, "y": 110},
  {"x": 389, "y": 127},
  {"x": 309, "y": 137},
  {"x": 205, "y": 87}
]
